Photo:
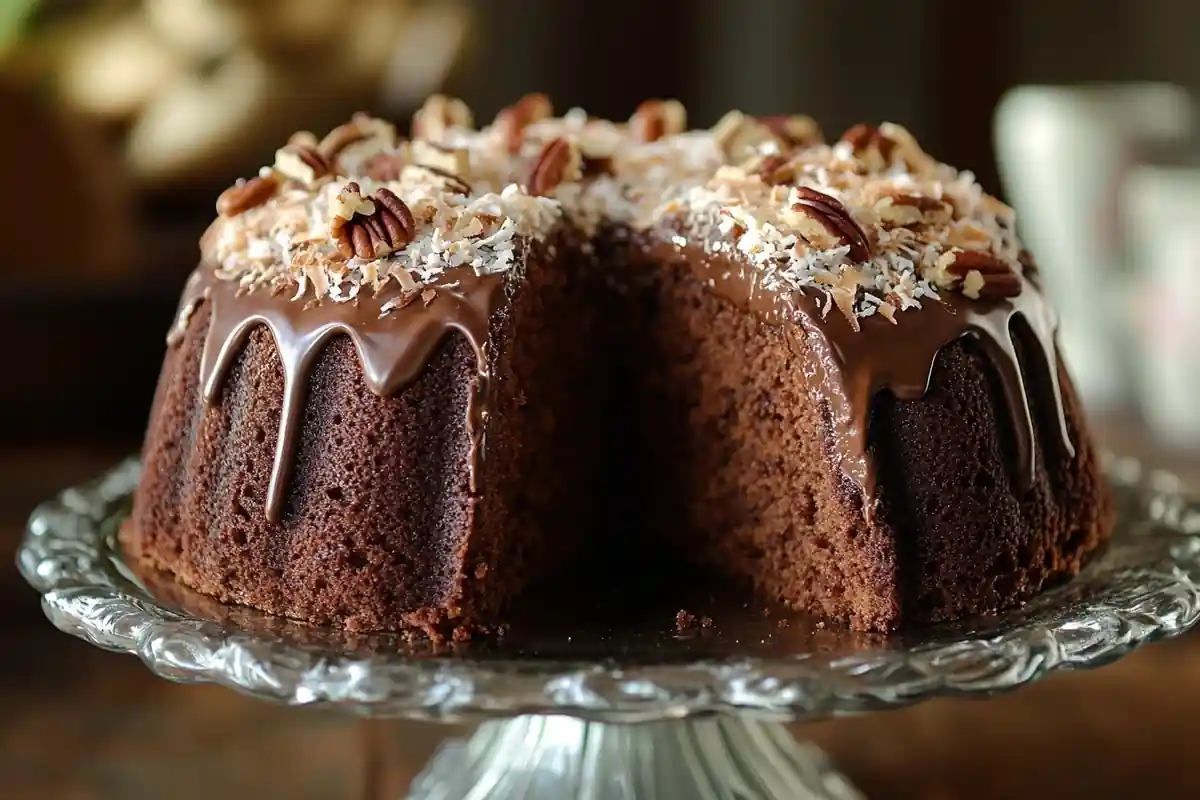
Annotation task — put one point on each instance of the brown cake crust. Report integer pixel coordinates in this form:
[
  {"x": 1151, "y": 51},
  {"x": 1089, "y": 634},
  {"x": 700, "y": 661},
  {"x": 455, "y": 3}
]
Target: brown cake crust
[
  {"x": 380, "y": 530},
  {"x": 378, "y": 516}
]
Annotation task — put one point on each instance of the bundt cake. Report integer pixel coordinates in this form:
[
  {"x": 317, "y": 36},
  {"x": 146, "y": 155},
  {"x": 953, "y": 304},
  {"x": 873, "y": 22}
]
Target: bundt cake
[{"x": 412, "y": 377}]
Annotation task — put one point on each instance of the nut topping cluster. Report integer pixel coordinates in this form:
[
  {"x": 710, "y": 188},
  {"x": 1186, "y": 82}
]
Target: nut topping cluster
[
  {"x": 978, "y": 275},
  {"x": 511, "y": 123},
  {"x": 793, "y": 130},
  {"x": 301, "y": 160},
  {"x": 370, "y": 227},
  {"x": 834, "y": 219},
  {"x": 247, "y": 194},
  {"x": 870, "y": 221},
  {"x": 438, "y": 115},
  {"x": 655, "y": 119},
  {"x": 558, "y": 161},
  {"x": 906, "y": 210}
]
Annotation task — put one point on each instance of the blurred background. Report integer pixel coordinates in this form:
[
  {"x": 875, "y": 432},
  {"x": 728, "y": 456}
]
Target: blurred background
[{"x": 123, "y": 119}]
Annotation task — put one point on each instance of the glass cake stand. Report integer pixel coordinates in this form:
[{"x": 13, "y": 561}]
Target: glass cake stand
[{"x": 558, "y": 700}]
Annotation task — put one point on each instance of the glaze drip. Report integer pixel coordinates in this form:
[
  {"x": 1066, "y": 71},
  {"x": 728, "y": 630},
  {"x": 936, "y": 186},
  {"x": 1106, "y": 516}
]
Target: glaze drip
[
  {"x": 851, "y": 367},
  {"x": 392, "y": 347},
  {"x": 848, "y": 367}
]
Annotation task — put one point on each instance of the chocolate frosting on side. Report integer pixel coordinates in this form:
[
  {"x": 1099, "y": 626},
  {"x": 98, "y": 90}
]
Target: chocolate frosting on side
[
  {"x": 848, "y": 367},
  {"x": 393, "y": 347}
]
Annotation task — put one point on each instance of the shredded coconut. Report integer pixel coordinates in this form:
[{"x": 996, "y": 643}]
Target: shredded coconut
[{"x": 912, "y": 209}]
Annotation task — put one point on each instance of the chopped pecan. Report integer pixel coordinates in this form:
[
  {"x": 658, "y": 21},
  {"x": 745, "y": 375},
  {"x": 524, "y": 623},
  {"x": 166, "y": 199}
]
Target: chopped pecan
[
  {"x": 448, "y": 181},
  {"x": 979, "y": 274},
  {"x": 793, "y": 130},
  {"x": 370, "y": 227},
  {"x": 863, "y": 136},
  {"x": 739, "y": 136},
  {"x": 302, "y": 162},
  {"x": 439, "y": 114},
  {"x": 360, "y": 127},
  {"x": 902, "y": 210},
  {"x": 558, "y": 161},
  {"x": 870, "y": 145},
  {"x": 511, "y": 122},
  {"x": 245, "y": 195},
  {"x": 454, "y": 160},
  {"x": 774, "y": 170},
  {"x": 836, "y": 220},
  {"x": 655, "y": 119},
  {"x": 878, "y": 148},
  {"x": 384, "y": 167}
]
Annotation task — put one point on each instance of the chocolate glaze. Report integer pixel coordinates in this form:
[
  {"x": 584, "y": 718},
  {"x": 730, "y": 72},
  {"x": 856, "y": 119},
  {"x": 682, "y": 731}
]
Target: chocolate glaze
[
  {"x": 845, "y": 365},
  {"x": 393, "y": 348},
  {"x": 848, "y": 367}
]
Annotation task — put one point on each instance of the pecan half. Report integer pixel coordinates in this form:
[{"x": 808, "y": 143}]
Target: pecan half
[
  {"x": 511, "y": 122},
  {"x": 558, "y": 161},
  {"x": 438, "y": 115},
  {"x": 245, "y": 195},
  {"x": 370, "y": 227},
  {"x": 396, "y": 219},
  {"x": 793, "y": 130},
  {"x": 978, "y": 274},
  {"x": 655, "y": 119},
  {"x": 302, "y": 162},
  {"x": 836, "y": 220}
]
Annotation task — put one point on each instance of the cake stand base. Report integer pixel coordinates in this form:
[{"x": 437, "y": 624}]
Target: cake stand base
[{"x": 557, "y": 757}]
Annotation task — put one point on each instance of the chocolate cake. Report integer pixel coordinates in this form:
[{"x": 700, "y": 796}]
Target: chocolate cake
[{"x": 412, "y": 377}]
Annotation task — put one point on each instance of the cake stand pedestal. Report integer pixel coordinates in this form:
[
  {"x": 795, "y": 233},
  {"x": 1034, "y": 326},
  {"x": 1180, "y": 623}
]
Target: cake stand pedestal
[
  {"x": 629, "y": 709},
  {"x": 554, "y": 757}
]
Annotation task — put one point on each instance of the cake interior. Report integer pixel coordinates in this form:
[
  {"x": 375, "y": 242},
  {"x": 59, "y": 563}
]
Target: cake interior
[{"x": 651, "y": 426}]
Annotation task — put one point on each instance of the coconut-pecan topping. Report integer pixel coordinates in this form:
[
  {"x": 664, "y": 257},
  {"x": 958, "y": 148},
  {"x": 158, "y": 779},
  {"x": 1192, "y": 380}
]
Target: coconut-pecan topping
[
  {"x": 655, "y": 119},
  {"x": 977, "y": 274},
  {"x": 834, "y": 217},
  {"x": 510, "y": 123},
  {"x": 245, "y": 195},
  {"x": 558, "y": 161},
  {"x": 439, "y": 114},
  {"x": 303, "y": 162},
  {"x": 793, "y": 130},
  {"x": 370, "y": 227}
]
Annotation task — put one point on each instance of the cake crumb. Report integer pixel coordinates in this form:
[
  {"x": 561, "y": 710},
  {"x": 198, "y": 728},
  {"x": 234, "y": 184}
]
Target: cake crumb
[
  {"x": 685, "y": 620},
  {"x": 707, "y": 622},
  {"x": 782, "y": 623}
]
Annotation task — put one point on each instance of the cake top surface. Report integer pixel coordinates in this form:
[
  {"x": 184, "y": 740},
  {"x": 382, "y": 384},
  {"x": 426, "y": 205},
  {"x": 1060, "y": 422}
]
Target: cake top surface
[{"x": 870, "y": 223}]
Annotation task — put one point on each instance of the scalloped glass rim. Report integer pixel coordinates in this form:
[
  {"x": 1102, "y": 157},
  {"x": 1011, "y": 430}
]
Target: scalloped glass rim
[{"x": 1146, "y": 586}]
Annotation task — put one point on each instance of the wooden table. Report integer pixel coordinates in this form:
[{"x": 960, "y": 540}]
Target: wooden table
[{"x": 79, "y": 723}]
